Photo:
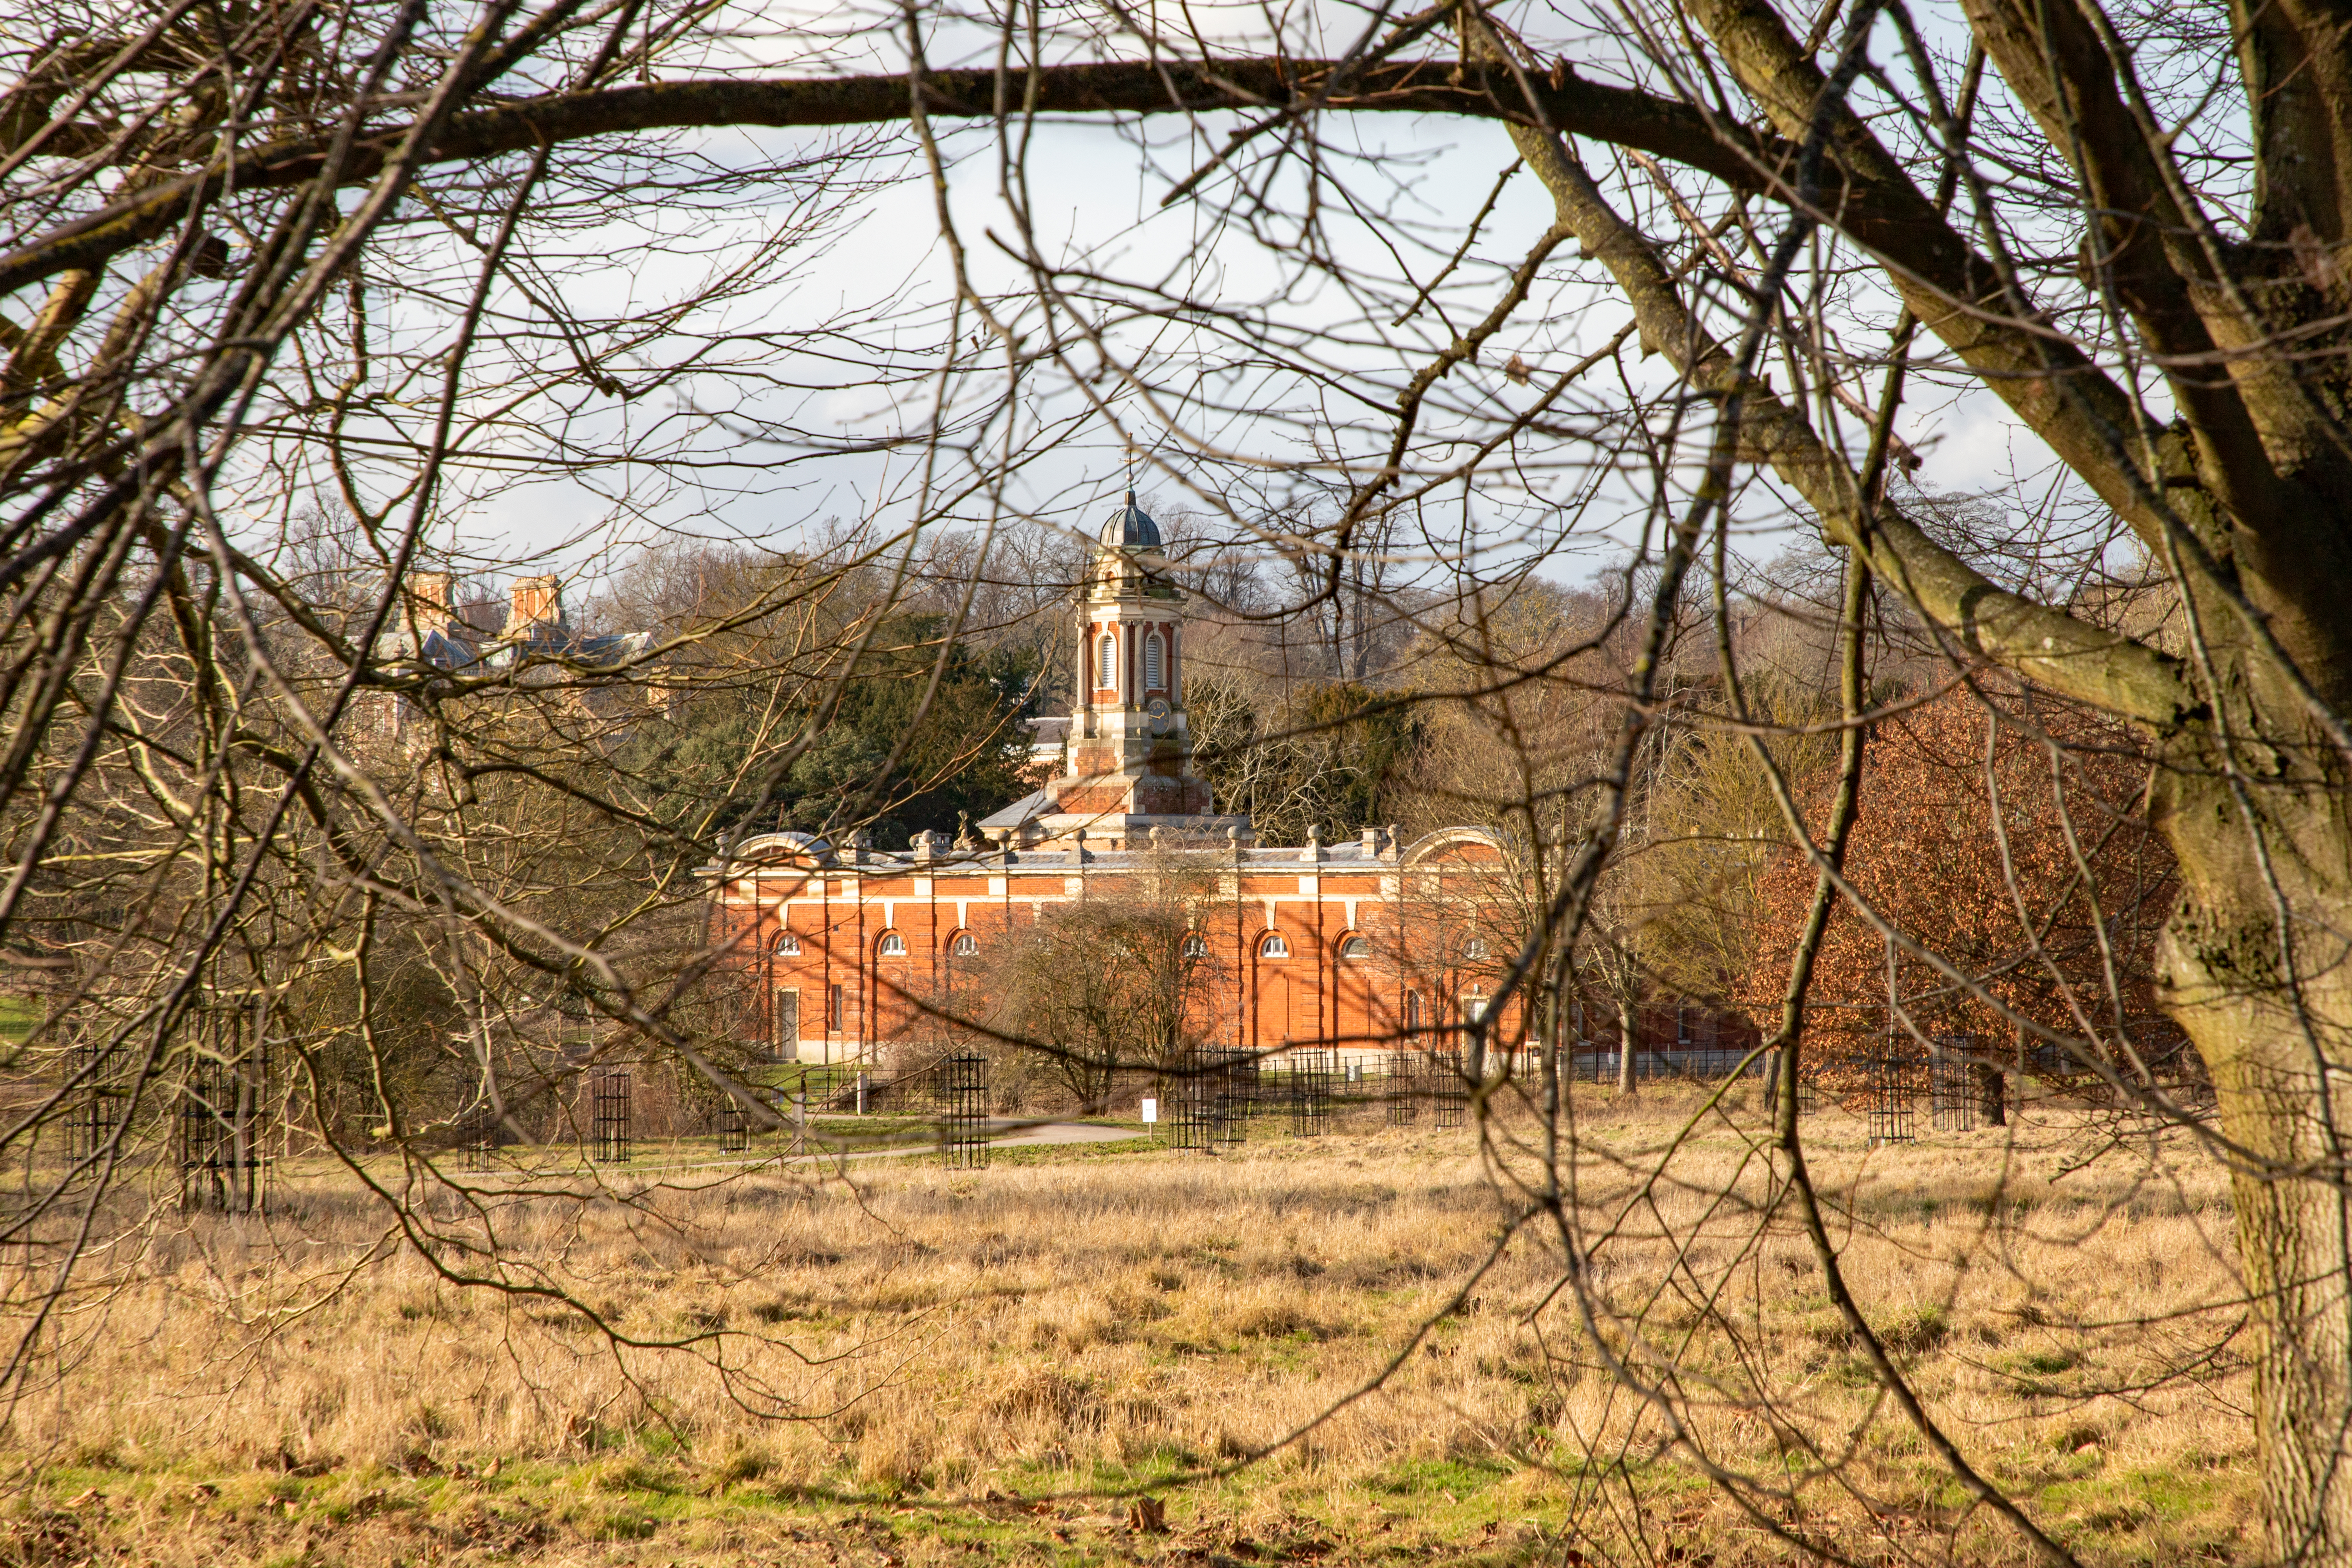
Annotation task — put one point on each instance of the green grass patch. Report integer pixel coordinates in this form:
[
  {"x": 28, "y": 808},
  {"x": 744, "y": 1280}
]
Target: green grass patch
[
  {"x": 20, "y": 1015},
  {"x": 1068, "y": 1154},
  {"x": 1455, "y": 1479},
  {"x": 729, "y": 1507}
]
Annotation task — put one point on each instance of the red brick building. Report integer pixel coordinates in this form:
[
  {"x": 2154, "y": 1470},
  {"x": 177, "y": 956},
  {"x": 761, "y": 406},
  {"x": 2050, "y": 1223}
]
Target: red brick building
[
  {"x": 1356, "y": 945},
  {"x": 1348, "y": 945}
]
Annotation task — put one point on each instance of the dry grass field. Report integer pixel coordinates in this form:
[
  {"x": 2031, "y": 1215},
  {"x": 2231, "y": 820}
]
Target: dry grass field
[{"x": 1074, "y": 1355}]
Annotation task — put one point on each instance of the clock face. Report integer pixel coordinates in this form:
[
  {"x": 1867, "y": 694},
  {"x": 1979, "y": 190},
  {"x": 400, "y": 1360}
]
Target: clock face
[{"x": 1157, "y": 715}]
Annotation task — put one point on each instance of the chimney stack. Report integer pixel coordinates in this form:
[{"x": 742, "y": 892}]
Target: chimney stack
[
  {"x": 428, "y": 600},
  {"x": 536, "y": 602}
]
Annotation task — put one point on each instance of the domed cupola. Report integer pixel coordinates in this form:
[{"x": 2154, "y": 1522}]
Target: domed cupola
[
  {"x": 1130, "y": 528},
  {"x": 1127, "y": 751}
]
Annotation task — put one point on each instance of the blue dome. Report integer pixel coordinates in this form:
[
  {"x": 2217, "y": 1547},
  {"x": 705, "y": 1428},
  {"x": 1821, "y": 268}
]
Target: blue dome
[{"x": 1131, "y": 527}]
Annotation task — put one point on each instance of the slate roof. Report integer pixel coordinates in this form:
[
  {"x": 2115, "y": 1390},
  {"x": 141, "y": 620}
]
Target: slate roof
[{"x": 1027, "y": 808}]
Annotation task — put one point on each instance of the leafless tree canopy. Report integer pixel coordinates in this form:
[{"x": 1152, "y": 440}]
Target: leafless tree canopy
[{"x": 466, "y": 467}]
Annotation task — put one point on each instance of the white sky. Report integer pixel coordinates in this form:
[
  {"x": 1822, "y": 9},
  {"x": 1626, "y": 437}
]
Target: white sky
[{"x": 1095, "y": 193}]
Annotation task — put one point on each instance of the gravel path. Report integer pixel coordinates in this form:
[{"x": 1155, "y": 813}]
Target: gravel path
[{"x": 1004, "y": 1134}]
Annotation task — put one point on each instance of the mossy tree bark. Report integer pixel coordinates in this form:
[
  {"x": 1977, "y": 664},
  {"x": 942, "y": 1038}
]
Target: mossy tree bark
[{"x": 2270, "y": 1011}]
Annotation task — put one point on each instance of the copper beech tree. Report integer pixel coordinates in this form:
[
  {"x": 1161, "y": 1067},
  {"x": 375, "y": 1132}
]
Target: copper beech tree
[
  {"x": 254, "y": 256},
  {"x": 2006, "y": 836}
]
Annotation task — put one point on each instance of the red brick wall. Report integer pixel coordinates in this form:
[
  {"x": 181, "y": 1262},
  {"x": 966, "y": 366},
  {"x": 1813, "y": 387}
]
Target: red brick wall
[{"x": 1312, "y": 996}]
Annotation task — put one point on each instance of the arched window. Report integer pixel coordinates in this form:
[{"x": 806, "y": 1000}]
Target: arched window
[
  {"x": 1274, "y": 946},
  {"x": 965, "y": 945},
  {"x": 1106, "y": 661},
  {"x": 1152, "y": 673},
  {"x": 893, "y": 945},
  {"x": 1474, "y": 1006},
  {"x": 787, "y": 946},
  {"x": 1195, "y": 945},
  {"x": 1412, "y": 1010},
  {"x": 1356, "y": 947}
]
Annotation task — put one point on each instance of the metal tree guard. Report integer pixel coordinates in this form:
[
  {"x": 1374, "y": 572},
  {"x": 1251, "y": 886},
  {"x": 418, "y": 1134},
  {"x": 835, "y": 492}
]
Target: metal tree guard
[
  {"x": 1233, "y": 1089},
  {"x": 222, "y": 1109},
  {"x": 1808, "y": 1092},
  {"x": 479, "y": 1135},
  {"x": 964, "y": 1132},
  {"x": 734, "y": 1132},
  {"x": 1193, "y": 1105},
  {"x": 1403, "y": 1109},
  {"x": 98, "y": 1105},
  {"x": 1951, "y": 1097},
  {"x": 1312, "y": 1073},
  {"x": 1893, "y": 1090},
  {"x": 1452, "y": 1091},
  {"x": 1215, "y": 1092},
  {"x": 608, "y": 1122}
]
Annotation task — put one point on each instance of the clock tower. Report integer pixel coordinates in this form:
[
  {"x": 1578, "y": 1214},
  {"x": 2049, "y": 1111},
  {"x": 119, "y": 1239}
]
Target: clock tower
[{"x": 1127, "y": 757}]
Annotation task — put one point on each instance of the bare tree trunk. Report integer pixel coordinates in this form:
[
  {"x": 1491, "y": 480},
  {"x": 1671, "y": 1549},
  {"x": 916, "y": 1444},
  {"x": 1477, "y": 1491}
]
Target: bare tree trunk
[
  {"x": 2292, "y": 1243},
  {"x": 2271, "y": 1027},
  {"x": 1625, "y": 1041},
  {"x": 1992, "y": 1100},
  {"x": 1549, "y": 1045}
]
